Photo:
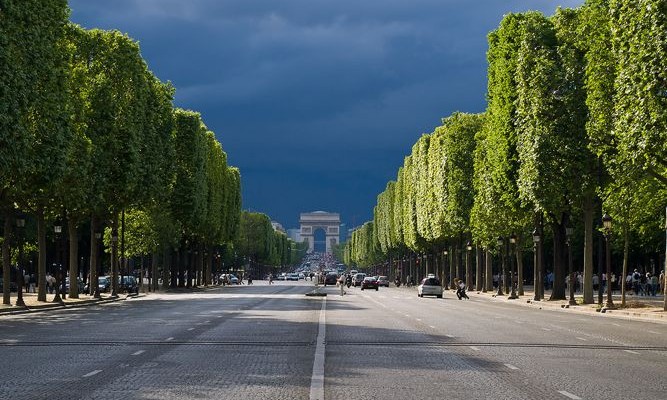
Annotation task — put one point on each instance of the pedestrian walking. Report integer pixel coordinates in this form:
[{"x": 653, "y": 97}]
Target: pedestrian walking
[
  {"x": 31, "y": 283},
  {"x": 341, "y": 283}
]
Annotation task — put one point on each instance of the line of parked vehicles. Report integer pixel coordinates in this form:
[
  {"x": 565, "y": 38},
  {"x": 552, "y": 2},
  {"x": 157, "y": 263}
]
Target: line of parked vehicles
[{"x": 429, "y": 286}]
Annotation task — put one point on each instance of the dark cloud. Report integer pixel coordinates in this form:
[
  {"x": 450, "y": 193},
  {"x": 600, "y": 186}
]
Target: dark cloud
[{"x": 316, "y": 101}]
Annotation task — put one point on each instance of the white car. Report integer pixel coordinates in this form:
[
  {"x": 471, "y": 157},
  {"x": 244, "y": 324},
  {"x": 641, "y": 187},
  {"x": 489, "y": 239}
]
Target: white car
[{"x": 430, "y": 286}]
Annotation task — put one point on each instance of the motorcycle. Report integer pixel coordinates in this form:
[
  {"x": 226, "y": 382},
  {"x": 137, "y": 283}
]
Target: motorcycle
[
  {"x": 348, "y": 281},
  {"x": 397, "y": 282}
]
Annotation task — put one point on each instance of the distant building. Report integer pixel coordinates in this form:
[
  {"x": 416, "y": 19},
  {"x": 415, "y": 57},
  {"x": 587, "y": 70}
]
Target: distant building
[
  {"x": 277, "y": 227},
  {"x": 295, "y": 235}
]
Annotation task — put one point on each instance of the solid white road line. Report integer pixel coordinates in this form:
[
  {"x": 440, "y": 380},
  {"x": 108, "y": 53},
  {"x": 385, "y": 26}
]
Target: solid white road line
[
  {"x": 510, "y": 366},
  {"x": 570, "y": 395},
  {"x": 97, "y": 371},
  {"x": 631, "y": 352},
  {"x": 136, "y": 353},
  {"x": 317, "y": 379},
  {"x": 474, "y": 348},
  {"x": 169, "y": 339}
]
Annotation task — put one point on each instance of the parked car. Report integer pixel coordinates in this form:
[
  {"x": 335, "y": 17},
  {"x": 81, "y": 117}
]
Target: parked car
[
  {"x": 331, "y": 278},
  {"x": 430, "y": 286},
  {"x": 128, "y": 284},
  {"x": 12, "y": 286},
  {"x": 292, "y": 277},
  {"x": 104, "y": 283},
  {"x": 358, "y": 278},
  {"x": 369, "y": 282},
  {"x": 81, "y": 286},
  {"x": 383, "y": 281}
]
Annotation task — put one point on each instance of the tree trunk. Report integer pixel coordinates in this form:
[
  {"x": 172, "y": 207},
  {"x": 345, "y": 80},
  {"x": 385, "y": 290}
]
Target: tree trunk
[
  {"x": 452, "y": 267},
  {"x": 73, "y": 259},
  {"x": 588, "y": 249},
  {"x": 154, "y": 271},
  {"x": 488, "y": 275},
  {"x": 558, "y": 289},
  {"x": 6, "y": 258},
  {"x": 478, "y": 269},
  {"x": 114, "y": 256},
  {"x": 626, "y": 249},
  {"x": 93, "y": 275},
  {"x": 41, "y": 260},
  {"x": 519, "y": 265}
]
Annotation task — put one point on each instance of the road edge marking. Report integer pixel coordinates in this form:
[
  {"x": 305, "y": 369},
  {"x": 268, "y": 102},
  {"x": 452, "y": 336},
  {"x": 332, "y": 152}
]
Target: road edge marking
[{"x": 317, "y": 379}]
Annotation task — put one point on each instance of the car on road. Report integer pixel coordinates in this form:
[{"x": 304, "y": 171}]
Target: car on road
[
  {"x": 383, "y": 281},
  {"x": 430, "y": 286},
  {"x": 369, "y": 282},
  {"x": 292, "y": 277},
  {"x": 233, "y": 280},
  {"x": 331, "y": 278},
  {"x": 358, "y": 278}
]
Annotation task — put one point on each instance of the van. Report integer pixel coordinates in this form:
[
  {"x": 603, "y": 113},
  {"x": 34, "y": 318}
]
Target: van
[{"x": 358, "y": 278}]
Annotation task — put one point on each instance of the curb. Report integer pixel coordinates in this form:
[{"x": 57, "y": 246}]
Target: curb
[{"x": 81, "y": 304}]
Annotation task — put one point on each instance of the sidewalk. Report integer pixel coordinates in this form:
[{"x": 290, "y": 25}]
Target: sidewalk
[
  {"x": 646, "y": 308},
  {"x": 32, "y": 305}
]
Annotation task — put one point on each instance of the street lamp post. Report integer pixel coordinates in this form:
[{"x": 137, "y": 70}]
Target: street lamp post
[
  {"x": 570, "y": 280},
  {"x": 512, "y": 248},
  {"x": 20, "y": 224},
  {"x": 58, "y": 228},
  {"x": 501, "y": 271},
  {"x": 537, "y": 279},
  {"x": 96, "y": 280},
  {"x": 468, "y": 269},
  {"x": 114, "y": 265},
  {"x": 606, "y": 224},
  {"x": 448, "y": 277}
]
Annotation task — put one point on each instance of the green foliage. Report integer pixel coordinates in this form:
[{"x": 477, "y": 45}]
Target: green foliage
[{"x": 639, "y": 37}]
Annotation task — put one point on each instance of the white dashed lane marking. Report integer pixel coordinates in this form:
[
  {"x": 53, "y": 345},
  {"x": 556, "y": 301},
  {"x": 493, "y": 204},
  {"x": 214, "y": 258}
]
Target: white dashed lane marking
[
  {"x": 474, "y": 348},
  {"x": 580, "y": 338},
  {"x": 631, "y": 352},
  {"x": 569, "y": 395},
  {"x": 136, "y": 353},
  {"x": 191, "y": 329},
  {"x": 169, "y": 339},
  {"x": 546, "y": 329},
  {"x": 510, "y": 366},
  {"x": 97, "y": 371}
]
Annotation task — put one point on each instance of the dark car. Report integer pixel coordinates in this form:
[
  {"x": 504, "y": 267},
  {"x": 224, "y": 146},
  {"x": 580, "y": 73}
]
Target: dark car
[
  {"x": 104, "y": 283},
  {"x": 331, "y": 278},
  {"x": 12, "y": 286},
  {"x": 357, "y": 279},
  {"x": 369, "y": 282},
  {"x": 128, "y": 284}
]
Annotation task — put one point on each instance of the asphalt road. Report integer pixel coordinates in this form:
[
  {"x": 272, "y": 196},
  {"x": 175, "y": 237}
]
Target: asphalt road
[{"x": 272, "y": 342}]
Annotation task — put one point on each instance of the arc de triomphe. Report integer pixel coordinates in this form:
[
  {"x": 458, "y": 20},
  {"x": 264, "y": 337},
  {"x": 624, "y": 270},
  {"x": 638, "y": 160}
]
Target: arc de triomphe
[{"x": 329, "y": 222}]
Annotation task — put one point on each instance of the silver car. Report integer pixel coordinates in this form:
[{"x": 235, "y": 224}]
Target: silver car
[{"x": 430, "y": 286}]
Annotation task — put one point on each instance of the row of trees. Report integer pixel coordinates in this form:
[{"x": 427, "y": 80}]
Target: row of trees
[
  {"x": 89, "y": 136},
  {"x": 576, "y": 123}
]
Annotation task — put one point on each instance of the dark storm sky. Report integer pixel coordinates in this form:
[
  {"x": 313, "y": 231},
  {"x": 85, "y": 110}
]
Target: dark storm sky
[{"x": 317, "y": 102}]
